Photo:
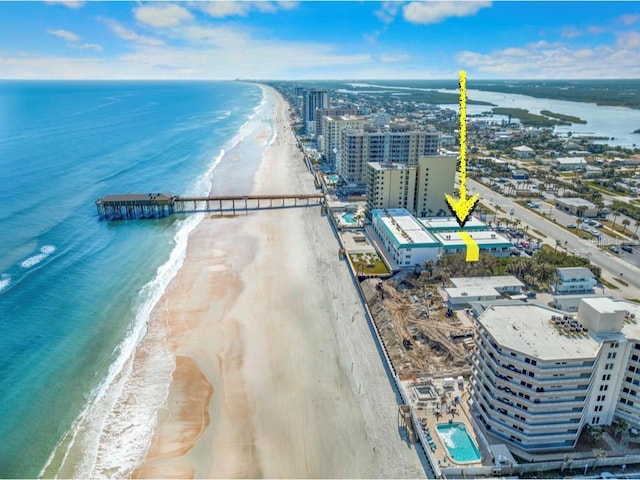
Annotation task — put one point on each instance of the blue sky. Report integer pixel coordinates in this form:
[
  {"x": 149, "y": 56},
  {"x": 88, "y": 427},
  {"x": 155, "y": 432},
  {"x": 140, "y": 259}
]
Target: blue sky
[{"x": 319, "y": 40}]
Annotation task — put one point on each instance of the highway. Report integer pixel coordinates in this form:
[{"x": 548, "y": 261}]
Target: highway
[{"x": 611, "y": 265}]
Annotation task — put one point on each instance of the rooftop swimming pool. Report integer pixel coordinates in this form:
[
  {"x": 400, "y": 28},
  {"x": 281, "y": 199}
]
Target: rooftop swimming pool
[
  {"x": 349, "y": 217},
  {"x": 333, "y": 178},
  {"x": 461, "y": 447}
]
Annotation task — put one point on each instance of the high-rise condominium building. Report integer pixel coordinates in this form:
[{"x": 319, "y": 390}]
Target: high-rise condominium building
[
  {"x": 313, "y": 100},
  {"x": 419, "y": 188},
  {"x": 332, "y": 112},
  {"x": 539, "y": 376},
  {"x": 332, "y": 133},
  {"x": 398, "y": 143}
]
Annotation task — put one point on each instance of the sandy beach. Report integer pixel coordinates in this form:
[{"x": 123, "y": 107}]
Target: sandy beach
[{"x": 277, "y": 374}]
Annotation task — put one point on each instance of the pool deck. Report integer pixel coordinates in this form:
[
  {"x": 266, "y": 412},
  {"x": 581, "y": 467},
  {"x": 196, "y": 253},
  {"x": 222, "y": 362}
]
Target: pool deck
[{"x": 444, "y": 412}]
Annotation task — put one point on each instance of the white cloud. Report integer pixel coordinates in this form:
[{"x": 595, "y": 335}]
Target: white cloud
[
  {"x": 388, "y": 10},
  {"x": 223, "y": 8},
  {"x": 595, "y": 30},
  {"x": 91, "y": 46},
  {"x": 628, "y": 40},
  {"x": 393, "y": 57},
  {"x": 429, "y": 11},
  {"x": 126, "y": 34},
  {"x": 161, "y": 15},
  {"x": 629, "y": 18},
  {"x": 66, "y": 34},
  {"x": 544, "y": 60},
  {"x": 570, "y": 32},
  {"x": 66, "y": 3},
  {"x": 223, "y": 37}
]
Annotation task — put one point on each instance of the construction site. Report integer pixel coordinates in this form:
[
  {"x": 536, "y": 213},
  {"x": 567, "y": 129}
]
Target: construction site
[{"x": 421, "y": 335}]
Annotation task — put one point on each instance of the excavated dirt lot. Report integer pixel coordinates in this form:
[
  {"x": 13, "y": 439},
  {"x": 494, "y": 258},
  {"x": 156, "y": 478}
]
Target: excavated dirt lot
[{"x": 415, "y": 329}]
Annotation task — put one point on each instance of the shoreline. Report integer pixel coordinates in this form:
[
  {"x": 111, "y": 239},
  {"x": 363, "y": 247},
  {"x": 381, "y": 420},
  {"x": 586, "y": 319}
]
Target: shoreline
[{"x": 284, "y": 361}]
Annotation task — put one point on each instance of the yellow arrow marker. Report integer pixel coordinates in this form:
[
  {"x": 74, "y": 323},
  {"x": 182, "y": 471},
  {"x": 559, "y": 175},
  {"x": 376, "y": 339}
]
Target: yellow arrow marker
[
  {"x": 462, "y": 207},
  {"x": 473, "y": 251}
]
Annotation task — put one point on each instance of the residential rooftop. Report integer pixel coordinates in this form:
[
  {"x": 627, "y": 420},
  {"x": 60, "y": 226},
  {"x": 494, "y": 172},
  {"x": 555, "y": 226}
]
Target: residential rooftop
[
  {"x": 483, "y": 238},
  {"x": 434, "y": 224},
  {"x": 404, "y": 229},
  {"x": 495, "y": 281},
  {"x": 574, "y": 272},
  {"x": 527, "y": 328}
]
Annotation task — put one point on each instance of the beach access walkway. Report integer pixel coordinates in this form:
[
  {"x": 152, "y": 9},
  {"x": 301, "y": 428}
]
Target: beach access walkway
[{"x": 159, "y": 205}]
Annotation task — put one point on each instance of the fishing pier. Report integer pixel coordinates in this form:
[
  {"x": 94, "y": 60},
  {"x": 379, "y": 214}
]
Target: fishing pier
[{"x": 159, "y": 205}]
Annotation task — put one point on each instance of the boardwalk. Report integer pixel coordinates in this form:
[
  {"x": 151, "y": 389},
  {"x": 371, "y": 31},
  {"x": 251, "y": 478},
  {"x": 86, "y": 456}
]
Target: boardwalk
[{"x": 159, "y": 205}]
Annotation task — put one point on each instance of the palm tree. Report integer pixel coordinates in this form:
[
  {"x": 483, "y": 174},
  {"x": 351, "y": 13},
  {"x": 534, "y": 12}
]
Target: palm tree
[
  {"x": 615, "y": 215},
  {"x": 636, "y": 224},
  {"x": 558, "y": 242},
  {"x": 625, "y": 222},
  {"x": 579, "y": 221}
]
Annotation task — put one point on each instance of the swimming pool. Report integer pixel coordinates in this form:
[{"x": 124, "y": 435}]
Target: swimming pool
[
  {"x": 333, "y": 178},
  {"x": 461, "y": 447},
  {"x": 349, "y": 217}
]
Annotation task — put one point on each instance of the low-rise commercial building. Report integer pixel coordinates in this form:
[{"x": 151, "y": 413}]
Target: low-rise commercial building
[
  {"x": 501, "y": 283},
  {"x": 577, "y": 206}
]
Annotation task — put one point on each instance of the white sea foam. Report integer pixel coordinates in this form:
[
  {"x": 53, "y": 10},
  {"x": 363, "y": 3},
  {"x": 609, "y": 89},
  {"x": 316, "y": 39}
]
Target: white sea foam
[
  {"x": 36, "y": 259},
  {"x": 118, "y": 421},
  {"x": 5, "y": 281},
  {"x": 114, "y": 431}
]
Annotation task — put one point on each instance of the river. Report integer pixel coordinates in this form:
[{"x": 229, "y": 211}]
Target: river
[{"x": 605, "y": 121}]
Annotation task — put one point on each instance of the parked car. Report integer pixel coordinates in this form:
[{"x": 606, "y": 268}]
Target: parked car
[
  {"x": 571, "y": 225},
  {"x": 627, "y": 248},
  {"x": 614, "y": 249}
]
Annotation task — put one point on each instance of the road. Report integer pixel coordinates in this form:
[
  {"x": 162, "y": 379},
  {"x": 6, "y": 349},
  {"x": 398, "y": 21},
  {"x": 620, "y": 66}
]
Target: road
[{"x": 612, "y": 266}]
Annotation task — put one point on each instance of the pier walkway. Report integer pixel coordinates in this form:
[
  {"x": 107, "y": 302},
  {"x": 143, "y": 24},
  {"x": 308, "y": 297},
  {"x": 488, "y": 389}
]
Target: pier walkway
[{"x": 159, "y": 205}]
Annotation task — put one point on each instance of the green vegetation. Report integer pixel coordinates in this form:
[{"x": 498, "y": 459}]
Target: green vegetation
[
  {"x": 635, "y": 300},
  {"x": 621, "y": 282},
  {"x": 538, "y": 271},
  {"x": 627, "y": 209},
  {"x": 538, "y": 232},
  {"x": 527, "y": 118},
  {"x": 564, "y": 118},
  {"x": 609, "y": 285},
  {"x": 368, "y": 264}
]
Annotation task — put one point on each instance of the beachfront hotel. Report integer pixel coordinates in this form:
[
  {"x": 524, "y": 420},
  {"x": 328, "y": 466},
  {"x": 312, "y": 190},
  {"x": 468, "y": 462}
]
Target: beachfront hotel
[
  {"x": 401, "y": 143},
  {"x": 404, "y": 239},
  {"x": 313, "y": 99},
  {"x": 407, "y": 242},
  {"x": 419, "y": 187},
  {"x": 539, "y": 376}
]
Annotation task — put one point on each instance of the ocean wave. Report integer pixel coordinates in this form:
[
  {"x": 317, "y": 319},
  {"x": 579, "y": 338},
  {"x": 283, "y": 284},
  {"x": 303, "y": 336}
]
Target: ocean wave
[
  {"x": 112, "y": 434},
  {"x": 5, "y": 281},
  {"x": 36, "y": 259}
]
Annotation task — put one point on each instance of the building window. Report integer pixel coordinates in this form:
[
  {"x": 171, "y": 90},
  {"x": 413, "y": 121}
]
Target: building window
[
  {"x": 611, "y": 355},
  {"x": 606, "y": 377}
]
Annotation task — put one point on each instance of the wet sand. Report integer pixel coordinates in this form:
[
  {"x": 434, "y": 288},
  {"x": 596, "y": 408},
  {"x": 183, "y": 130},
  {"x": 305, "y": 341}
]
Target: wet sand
[{"x": 276, "y": 371}]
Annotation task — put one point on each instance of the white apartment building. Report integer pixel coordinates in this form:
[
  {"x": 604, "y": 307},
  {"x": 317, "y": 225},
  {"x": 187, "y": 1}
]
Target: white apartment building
[
  {"x": 399, "y": 143},
  {"x": 419, "y": 188},
  {"x": 331, "y": 112},
  {"x": 540, "y": 376},
  {"x": 572, "y": 280},
  {"x": 404, "y": 239},
  {"x": 332, "y": 132},
  {"x": 391, "y": 185}
]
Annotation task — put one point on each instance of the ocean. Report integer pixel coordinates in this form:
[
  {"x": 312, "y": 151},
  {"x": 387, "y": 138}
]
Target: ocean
[{"x": 75, "y": 293}]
